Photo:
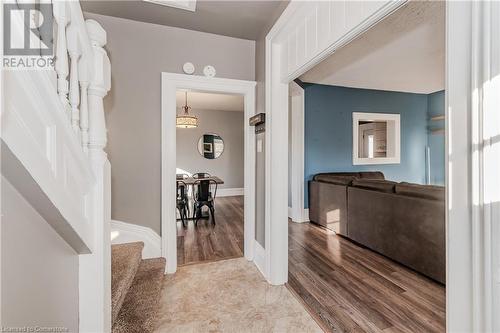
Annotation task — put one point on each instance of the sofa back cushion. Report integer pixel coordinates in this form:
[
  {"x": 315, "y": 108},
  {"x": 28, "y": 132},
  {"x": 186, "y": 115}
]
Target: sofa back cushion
[
  {"x": 385, "y": 186},
  {"x": 430, "y": 192},
  {"x": 326, "y": 175},
  {"x": 345, "y": 178},
  {"x": 337, "y": 180},
  {"x": 371, "y": 175}
]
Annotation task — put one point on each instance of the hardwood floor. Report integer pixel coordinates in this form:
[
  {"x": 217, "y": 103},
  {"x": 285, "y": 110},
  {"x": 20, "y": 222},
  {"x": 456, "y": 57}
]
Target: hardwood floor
[
  {"x": 207, "y": 242},
  {"x": 349, "y": 288}
]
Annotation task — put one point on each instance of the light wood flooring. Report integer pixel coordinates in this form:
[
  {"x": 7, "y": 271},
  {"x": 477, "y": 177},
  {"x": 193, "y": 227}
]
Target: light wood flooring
[
  {"x": 207, "y": 242},
  {"x": 349, "y": 288}
]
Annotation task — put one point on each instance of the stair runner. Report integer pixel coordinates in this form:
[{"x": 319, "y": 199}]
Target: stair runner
[{"x": 136, "y": 285}]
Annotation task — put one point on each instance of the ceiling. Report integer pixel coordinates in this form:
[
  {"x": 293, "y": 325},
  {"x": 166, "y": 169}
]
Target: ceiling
[
  {"x": 202, "y": 101},
  {"x": 240, "y": 19},
  {"x": 404, "y": 52}
]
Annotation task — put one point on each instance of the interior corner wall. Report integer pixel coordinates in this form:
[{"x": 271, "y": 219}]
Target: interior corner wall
[
  {"x": 229, "y": 125},
  {"x": 436, "y": 137},
  {"x": 139, "y": 53},
  {"x": 328, "y": 130}
]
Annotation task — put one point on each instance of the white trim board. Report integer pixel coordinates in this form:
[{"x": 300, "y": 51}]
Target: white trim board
[
  {"x": 122, "y": 232},
  {"x": 230, "y": 192},
  {"x": 296, "y": 153},
  {"x": 260, "y": 258},
  {"x": 301, "y": 217},
  {"x": 472, "y": 159},
  {"x": 170, "y": 83}
]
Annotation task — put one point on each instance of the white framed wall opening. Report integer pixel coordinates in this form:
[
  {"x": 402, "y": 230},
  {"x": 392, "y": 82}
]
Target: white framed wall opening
[
  {"x": 306, "y": 34},
  {"x": 171, "y": 83}
]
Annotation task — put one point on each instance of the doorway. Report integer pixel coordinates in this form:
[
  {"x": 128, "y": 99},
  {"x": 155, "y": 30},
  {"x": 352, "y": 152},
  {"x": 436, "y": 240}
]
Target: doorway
[
  {"x": 210, "y": 176},
  {"x": 471, "y": 36},
  {"x": 171, "y": 83}
]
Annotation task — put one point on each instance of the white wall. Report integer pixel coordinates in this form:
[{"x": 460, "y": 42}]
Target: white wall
[
  {"x": 39, "y": 269},
  {"x": 230, "y": 165},
  {"x": 139, "y": 52}
]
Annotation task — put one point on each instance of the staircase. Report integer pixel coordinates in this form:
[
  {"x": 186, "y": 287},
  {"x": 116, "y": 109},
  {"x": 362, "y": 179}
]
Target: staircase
[{"x": 136, "y": 286}]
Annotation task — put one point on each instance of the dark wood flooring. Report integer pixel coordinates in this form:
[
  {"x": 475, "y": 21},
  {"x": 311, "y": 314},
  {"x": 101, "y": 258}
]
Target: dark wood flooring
[
  {"x": 207, "y": 242},
  {"x": 348, "y": 288}
]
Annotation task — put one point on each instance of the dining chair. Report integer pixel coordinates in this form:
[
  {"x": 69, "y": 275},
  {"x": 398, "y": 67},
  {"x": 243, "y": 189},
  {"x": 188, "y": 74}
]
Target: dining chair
[
  {"x": 204, "y": 193},
  {"x": 182, "y": 201},
  {"x": 201, "y": 175}
]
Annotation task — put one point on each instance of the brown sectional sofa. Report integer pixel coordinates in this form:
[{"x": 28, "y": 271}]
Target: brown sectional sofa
[{"x": 405, "y": 222}]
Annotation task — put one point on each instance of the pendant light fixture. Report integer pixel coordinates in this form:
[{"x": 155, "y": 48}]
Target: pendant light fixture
[{"x": 185, "y": 120}]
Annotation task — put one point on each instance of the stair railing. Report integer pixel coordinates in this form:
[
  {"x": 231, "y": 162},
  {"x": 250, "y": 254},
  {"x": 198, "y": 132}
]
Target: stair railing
[{"x": 83, "y": 73}]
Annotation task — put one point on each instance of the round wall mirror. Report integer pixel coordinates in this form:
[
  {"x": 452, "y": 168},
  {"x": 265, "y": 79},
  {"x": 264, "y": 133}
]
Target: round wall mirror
[{"x": 210, "y": 146}]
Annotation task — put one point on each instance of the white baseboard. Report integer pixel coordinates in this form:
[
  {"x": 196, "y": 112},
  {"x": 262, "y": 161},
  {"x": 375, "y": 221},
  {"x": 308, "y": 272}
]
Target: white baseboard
[
  {"x": 260, "y": 258},
  {"x": 230, "y": 192},
  {"x": 122, "y": 232},
  {"x": 304, "y": 217}
]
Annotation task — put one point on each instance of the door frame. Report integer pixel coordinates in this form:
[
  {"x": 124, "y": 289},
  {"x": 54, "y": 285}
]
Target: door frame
[{"x": 170, "y": 83}]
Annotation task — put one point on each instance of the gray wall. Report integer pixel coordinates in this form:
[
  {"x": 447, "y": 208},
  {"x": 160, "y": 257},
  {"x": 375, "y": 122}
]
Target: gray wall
[
  {"x": 230, "y": 165},
  {"x": 139, "y": 52},
  {"x": 39, "y": 269}
]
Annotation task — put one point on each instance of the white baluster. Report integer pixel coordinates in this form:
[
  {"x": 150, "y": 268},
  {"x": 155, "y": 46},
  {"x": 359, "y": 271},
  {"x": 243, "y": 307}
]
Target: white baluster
[
  {"x": 62, "y": 18},
  {"x": 83, "y": 71},
  {"x": 100, "y": 83},
  {"x": 74, "y": 51}
]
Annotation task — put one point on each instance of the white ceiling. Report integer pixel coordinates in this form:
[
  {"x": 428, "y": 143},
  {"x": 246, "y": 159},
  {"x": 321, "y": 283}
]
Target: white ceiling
[
  {"x": 202, "y": 101},
  {"x": 405, "y": 52},
  {"x": 240, "y": 19}
]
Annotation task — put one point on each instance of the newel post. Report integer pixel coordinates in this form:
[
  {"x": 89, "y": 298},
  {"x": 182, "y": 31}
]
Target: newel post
[{"x": 100, "y": 83}]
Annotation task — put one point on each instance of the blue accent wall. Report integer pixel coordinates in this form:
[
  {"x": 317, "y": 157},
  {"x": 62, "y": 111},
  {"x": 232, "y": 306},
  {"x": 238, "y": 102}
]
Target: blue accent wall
[
  {"x": 328, "y": 130},
  {"x": 435, "y": 107}
]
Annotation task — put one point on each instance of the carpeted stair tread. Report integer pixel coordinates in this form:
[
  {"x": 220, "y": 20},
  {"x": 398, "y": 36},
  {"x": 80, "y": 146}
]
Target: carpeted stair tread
[
  {"x": 125, "y": 261},
  {"x": 139, "y": 310}
]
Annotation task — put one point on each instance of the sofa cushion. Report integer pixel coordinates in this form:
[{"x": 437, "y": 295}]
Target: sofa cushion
[
  {"x": 431, "y": 192},
  {"x": 386, "y": 186},
  {"x": 337, "y": 180},
  {"x": 327, "y": 175},
  {"x": 371, "y": 175}
]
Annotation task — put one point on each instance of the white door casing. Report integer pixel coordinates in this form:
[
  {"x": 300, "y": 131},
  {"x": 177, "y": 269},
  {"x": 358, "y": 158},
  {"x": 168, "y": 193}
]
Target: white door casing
[
  {"x": 473, "y": 161},
  {"x": 296, "y": 154},
  {"x": 170, "y": 83}
]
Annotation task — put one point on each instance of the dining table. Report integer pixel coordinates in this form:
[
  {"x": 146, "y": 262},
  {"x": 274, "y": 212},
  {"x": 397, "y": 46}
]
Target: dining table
[{"x": 191, "y": 180}]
